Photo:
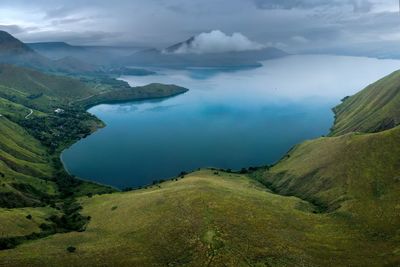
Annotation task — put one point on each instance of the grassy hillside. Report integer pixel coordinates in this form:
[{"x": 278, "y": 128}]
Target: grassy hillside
[
  {"x": 204, "y": 219},
  {"x": 374, "y": 109},
  {"x": 150, "y": 91},
  {"x": 25, "y": 168},
  {"x": 355, "y": 176}
]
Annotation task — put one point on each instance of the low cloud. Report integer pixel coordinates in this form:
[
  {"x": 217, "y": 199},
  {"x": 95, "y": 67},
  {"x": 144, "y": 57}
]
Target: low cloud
[
  {"x": 218, "y": 42},
  {"x": 15, "y": 29},
  {"x": 71, "y": 37}
]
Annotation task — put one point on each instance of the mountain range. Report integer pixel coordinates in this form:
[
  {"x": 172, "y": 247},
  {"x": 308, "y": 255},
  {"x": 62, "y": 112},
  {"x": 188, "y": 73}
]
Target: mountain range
[
  {"x": 151, "y": 57},
  {"x": 13, "y": 51},
  {"x": 171, "y": 57}
]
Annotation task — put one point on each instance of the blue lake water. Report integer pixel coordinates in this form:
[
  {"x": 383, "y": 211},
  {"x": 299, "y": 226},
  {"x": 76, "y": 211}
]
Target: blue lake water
[{"x": 229, "y": 119}]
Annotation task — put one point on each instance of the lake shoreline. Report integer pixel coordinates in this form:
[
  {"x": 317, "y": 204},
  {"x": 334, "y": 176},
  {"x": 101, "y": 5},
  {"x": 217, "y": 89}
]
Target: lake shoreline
[{"x": 102, "y": 125}]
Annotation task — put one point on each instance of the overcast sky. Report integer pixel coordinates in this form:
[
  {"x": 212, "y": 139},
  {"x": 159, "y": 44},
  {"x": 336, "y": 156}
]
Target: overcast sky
[{"x": 293, "y": 25}]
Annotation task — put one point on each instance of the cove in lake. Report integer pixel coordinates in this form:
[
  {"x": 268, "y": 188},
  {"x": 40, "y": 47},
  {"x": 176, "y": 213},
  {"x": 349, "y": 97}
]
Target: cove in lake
[{"x": 229, "y": 118}]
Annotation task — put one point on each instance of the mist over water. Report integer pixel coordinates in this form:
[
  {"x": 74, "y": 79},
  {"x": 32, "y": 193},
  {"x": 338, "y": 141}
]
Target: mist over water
[{"x": 230, "y": 118}]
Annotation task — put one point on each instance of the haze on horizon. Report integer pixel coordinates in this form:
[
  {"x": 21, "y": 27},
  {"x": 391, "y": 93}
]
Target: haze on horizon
[{"x": 364, "y": 27}]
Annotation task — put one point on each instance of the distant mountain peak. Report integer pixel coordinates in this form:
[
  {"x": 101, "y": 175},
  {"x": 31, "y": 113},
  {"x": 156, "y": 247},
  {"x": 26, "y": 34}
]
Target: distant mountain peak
[
  {"x": 50, "y": 45},
  {"x": 215, "y": 42},
  {"x": 11, "y": 45},
  {"x": 175, "y": 47}
]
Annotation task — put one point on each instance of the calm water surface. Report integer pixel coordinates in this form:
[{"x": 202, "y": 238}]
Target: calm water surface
[{"x": 229, "y": 118}]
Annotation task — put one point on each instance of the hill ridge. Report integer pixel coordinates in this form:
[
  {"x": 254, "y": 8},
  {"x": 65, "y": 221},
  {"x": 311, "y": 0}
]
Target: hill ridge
[{"x": 374, "y": 109}]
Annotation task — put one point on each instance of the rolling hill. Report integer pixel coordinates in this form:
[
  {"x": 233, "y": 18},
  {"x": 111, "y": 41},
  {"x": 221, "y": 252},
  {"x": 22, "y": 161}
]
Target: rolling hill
[
  {"x": 207, "y": 218},
  {"x": 333, "y": 201},
  {"x": 374, "y": 109}
]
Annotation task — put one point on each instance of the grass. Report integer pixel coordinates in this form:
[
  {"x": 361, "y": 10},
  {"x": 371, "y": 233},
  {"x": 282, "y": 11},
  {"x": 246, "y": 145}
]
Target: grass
[
  {"x": 204, "y": 220},
  {"x": 374, "y": 109},
  {"x": 17, "y": 222},
  {"x": 37, "y": 84},
  {"x": 355, "y": 176},
  {"x": 150, "y": 91},
  {"x": 25, "y": 168}
]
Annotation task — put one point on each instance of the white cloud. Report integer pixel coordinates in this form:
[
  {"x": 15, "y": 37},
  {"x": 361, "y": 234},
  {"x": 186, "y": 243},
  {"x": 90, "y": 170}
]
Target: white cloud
[{"x": 218, "y": 42}]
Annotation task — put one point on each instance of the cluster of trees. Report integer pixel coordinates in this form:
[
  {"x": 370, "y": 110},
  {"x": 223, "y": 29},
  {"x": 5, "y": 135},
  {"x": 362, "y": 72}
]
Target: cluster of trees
[
  {"x": 35, "y": 96},
  {"x": 58, "y": 130}
]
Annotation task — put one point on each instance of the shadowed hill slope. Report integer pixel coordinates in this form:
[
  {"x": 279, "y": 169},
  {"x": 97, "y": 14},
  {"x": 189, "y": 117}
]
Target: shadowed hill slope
[
  {"x": 11, "y": 46},
  {"x": 13, "y": 51}
]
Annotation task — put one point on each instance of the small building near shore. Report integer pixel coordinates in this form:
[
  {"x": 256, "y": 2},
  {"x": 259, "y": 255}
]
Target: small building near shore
[{"x": 59, "y": 111}]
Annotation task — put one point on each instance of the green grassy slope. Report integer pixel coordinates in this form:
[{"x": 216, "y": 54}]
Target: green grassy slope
[
  {"x": 23, "y": 221},
  {"x": 25, "y": 167},
  {"x": 150, "y": 91},
  {"x": 42, "y": 91},
  {"x": 47, "y": 92},
  {"x": 354, "y": 175},
  {"x": 205, "y": 219},
  {"x": 374, "y": 109}
]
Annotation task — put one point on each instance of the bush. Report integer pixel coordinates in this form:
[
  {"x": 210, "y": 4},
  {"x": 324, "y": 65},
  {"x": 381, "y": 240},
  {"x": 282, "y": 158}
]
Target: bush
[
  {"x": 71, "y": 249},
  {"x": 29, "y": 217},
  {"x": 243, "y": 171}
]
